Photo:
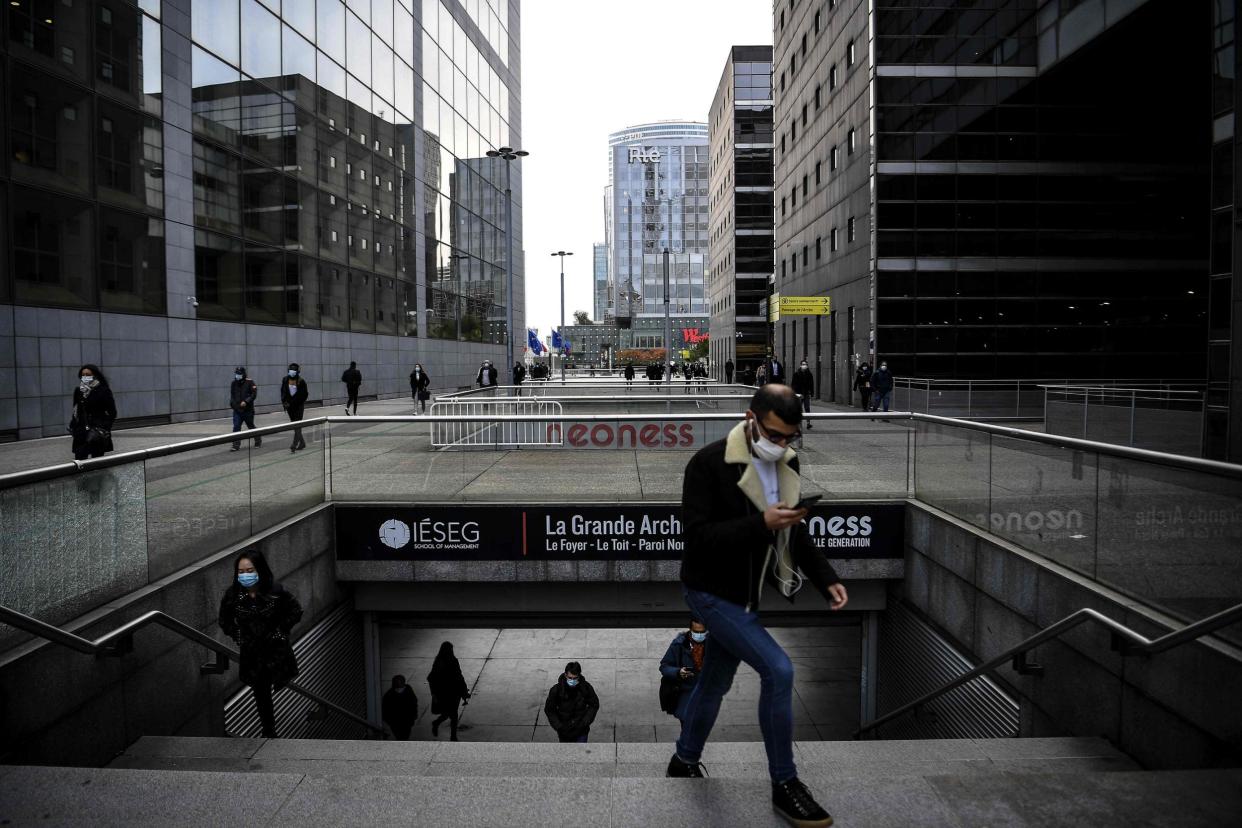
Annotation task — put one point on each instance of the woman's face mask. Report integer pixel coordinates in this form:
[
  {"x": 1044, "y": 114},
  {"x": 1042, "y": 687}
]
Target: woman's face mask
[
  {"x": 292, "y": 373},
  {"x": 86, "y": 379},
  {"x": 572, "y": 682},
  {"x": 247, "y": 579}
]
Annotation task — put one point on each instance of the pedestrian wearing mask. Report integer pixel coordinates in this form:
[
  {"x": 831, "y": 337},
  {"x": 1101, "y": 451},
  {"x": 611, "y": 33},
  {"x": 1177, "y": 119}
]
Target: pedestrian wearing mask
[
  {"x": 293, "y": 394},
  {"x": 571, "y": 705},
  {"x": 742, "y": 529},
  {"x": 94, "y": 411},
  {"x": 259, "y": 614},
  {"x": 242, "y": 394},
  {"x": 882, "y": 385},
  {"x": 353, "y": 380},
  {"x": 729, "y": 371},
  {"x": 519, "y": 376},
  {"x": 419, "y": 381},
  {"x": 448, "y": 687},
  {"x": 681, "y": 666},
  {"x": 804, "y": 387},
  {"x": 487, "y": 375},
  {"x": 399, "y": 708},
  {"x": 862, "y": 381}
]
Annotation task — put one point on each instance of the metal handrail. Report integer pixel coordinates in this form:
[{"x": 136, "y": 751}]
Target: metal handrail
[
  {"x": 1108, "y": 449},
  {"x": 1138, "y": 645},
  {"x": 120, "y": 641}
]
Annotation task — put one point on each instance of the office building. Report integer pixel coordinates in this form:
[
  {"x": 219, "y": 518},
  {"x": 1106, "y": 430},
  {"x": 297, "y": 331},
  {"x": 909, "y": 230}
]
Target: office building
[
  {"x": 197, "y": 184},
  {"x": 657, "y": 201},
  {"x": 997, "y": 195},
  {"x": 600, "y": 282},
  {"x": 740, "y": 202}
]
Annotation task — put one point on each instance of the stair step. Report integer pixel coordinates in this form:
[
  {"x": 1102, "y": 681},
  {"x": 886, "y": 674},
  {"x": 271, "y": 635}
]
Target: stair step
[
  {"x": 49, "y": 795},
  {"x": 823, "y": 761}
]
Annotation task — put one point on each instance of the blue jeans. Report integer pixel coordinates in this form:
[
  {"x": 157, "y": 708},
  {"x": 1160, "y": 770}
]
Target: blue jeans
[
  {"x": 240, "y": 417},
  {"x": 882, "y": 399},
  {"x": 734, "y": 636}
]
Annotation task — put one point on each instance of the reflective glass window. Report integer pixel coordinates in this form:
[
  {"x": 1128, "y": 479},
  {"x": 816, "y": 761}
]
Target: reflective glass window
[
  {"x": 49, "y": 131},
  {"x": 361, "y": 301},
  {"x": 403, "y": 35},
  {"x": 382, "y": 19},
  {"x": 217, "y": 276},
  {"x": 300, "y": 14},
  {"x": 381, "y": 69},
  {"x": 216, "y": 99},
  {"x": 260, "y": 39},
  {"x": 53, "y": 242},
  {"x": 333, "y": 297},
  {"x": 330, "y": 36},
  {"x": 297, "y": 56},
  {"x": 266, "y": 285},
  {"x": 216, "y": 26},
  {"x": 128, "y": 158},
  {"x": 358, "y": 48},
  {"x": 362, "y": 8},
  {"x": 53, "y": 36},
  {"x": 217, "y": 188},
  {"x": 131, "y": 262}
]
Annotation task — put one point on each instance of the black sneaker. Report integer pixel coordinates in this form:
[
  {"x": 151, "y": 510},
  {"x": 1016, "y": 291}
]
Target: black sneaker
[
  {"x": 794, "y": 802},
  {"x": 685, "y": 770}
]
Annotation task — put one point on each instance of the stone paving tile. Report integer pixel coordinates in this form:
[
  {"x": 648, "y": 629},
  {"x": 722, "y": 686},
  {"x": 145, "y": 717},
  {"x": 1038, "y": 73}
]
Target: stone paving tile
[
  {"x": 442, "y": 801},
  {"x": 1183, "y": 798},
  {"x": 195, "y": 746},
  {"x": 71, "y": 796}
]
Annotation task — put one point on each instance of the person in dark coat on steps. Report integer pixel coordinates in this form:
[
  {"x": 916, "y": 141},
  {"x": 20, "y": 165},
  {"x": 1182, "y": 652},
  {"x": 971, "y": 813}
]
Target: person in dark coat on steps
[
  {"x": 94, "y": 411},
  {"x": 400, "y": 708},
  {"x": 682, "y": 663},
  {"x": 448, "y": 687},
  {"x": 242, "y": 394},
  {"x": 293, "y": 394},
  {"x": 353, "y": 381},
  {"x": 728, "y": 370},
  {"x": 803, "y": 383},
  {"x": 519, "y": 377},
  {"x": 419, "y": 380},
  {"x": 259, "y": 614},
  {"x": 571, "y": 705}
]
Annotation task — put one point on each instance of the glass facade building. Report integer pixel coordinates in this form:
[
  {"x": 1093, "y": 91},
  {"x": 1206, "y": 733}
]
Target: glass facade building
[
  {"x": 312, "y": 167},
  {"x": 599, "y": 272},
  {"x": 990, "y": 191},
  {"x": 740, "y": 203},
  {"x": 657, "y": 200}
]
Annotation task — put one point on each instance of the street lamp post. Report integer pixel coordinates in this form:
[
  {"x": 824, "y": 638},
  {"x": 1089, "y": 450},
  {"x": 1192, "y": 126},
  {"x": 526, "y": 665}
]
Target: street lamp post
[
  {"x": 509, "y": 154},
  {"x": 668, "y": 325},
  {"x": 562, "y": 254}
]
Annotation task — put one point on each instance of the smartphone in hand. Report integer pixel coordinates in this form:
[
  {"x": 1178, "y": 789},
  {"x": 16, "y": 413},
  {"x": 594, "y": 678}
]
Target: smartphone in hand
[{"x": 809, "y": 501}]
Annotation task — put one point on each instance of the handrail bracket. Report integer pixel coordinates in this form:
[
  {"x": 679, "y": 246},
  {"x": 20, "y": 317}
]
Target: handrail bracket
[
  {"x": 1023, "y": 666},
  {"x": 218, "y": 667}
]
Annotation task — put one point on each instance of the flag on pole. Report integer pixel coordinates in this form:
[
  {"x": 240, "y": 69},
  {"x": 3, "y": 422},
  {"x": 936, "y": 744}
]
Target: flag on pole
[
  {"x": 532, "y": 339},
  {"x": 557, "y": 342}
]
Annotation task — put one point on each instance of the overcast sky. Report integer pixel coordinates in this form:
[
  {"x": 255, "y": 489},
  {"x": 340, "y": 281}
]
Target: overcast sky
[{"x": 592, "y": 67}]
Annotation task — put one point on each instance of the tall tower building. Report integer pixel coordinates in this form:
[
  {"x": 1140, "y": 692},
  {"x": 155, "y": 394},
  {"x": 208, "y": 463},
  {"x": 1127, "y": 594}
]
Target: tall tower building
[
  {"x": 600, "y": 282},
  {"x": 740, "y": 199},
  {"x": 658, "y": 180}
]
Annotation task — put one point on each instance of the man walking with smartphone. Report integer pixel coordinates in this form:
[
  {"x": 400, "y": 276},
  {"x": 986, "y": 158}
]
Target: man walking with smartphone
[
  {"x": 680, "y": 667},
  {"x": 740, "y": 532}
]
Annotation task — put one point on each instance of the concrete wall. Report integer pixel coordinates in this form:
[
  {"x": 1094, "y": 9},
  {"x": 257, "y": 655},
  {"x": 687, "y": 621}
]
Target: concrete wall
[
  {"x": 180, "y": 369},
  {"x": 1178, "y": 709},
  {"x": 58, "y": 706}
]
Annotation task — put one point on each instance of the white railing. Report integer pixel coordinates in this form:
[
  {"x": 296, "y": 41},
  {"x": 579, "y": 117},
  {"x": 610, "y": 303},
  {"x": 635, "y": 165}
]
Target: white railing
[{"x": 534, "y": 432}]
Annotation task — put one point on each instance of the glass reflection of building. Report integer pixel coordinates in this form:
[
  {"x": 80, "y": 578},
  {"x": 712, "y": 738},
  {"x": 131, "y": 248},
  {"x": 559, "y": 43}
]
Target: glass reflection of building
[
  {"x": 322, "y": 168},
  {"x": 599, "y": 273},
  {"x": 658, "y": 180}
]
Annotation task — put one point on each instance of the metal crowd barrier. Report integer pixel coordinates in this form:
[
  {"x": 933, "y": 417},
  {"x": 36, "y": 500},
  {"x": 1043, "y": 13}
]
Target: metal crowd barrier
[{"x": 526, "y": 432}]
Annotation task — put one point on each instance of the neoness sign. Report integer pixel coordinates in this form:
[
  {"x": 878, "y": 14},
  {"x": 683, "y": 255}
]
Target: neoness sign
[{"x": 640, "y": 531}]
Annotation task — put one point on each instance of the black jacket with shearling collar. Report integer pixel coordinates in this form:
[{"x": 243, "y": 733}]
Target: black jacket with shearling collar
[{"x": 729, "y": 550}]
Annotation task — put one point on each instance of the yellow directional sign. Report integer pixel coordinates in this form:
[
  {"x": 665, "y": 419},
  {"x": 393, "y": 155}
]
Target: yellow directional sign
[
  {"x": 774, "y": 307},
  {"x": 804, "y": 306}
]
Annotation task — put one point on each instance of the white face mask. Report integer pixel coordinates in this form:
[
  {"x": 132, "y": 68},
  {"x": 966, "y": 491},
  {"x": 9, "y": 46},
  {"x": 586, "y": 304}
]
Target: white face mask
[{"x": 764, "y": 448}]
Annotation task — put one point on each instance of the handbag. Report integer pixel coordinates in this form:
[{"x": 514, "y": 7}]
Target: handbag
[
  {"x": 424, "y": 395},
  {"x": 96, "y": 437},
  {"x": 670, "y": 694}
]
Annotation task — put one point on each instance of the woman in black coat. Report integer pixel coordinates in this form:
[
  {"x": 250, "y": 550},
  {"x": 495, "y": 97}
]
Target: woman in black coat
[
  {"x": 94, "y": 411},
  {"x": 258, "y": 614},
  {"x": 448, "y": 687},
  {"x": 293, "y": 394},
  {"x": 418, "y": 386}
]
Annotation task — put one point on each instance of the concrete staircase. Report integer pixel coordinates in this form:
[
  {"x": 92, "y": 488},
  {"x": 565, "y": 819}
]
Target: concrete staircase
[{"x": 1001, "y": 782}]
